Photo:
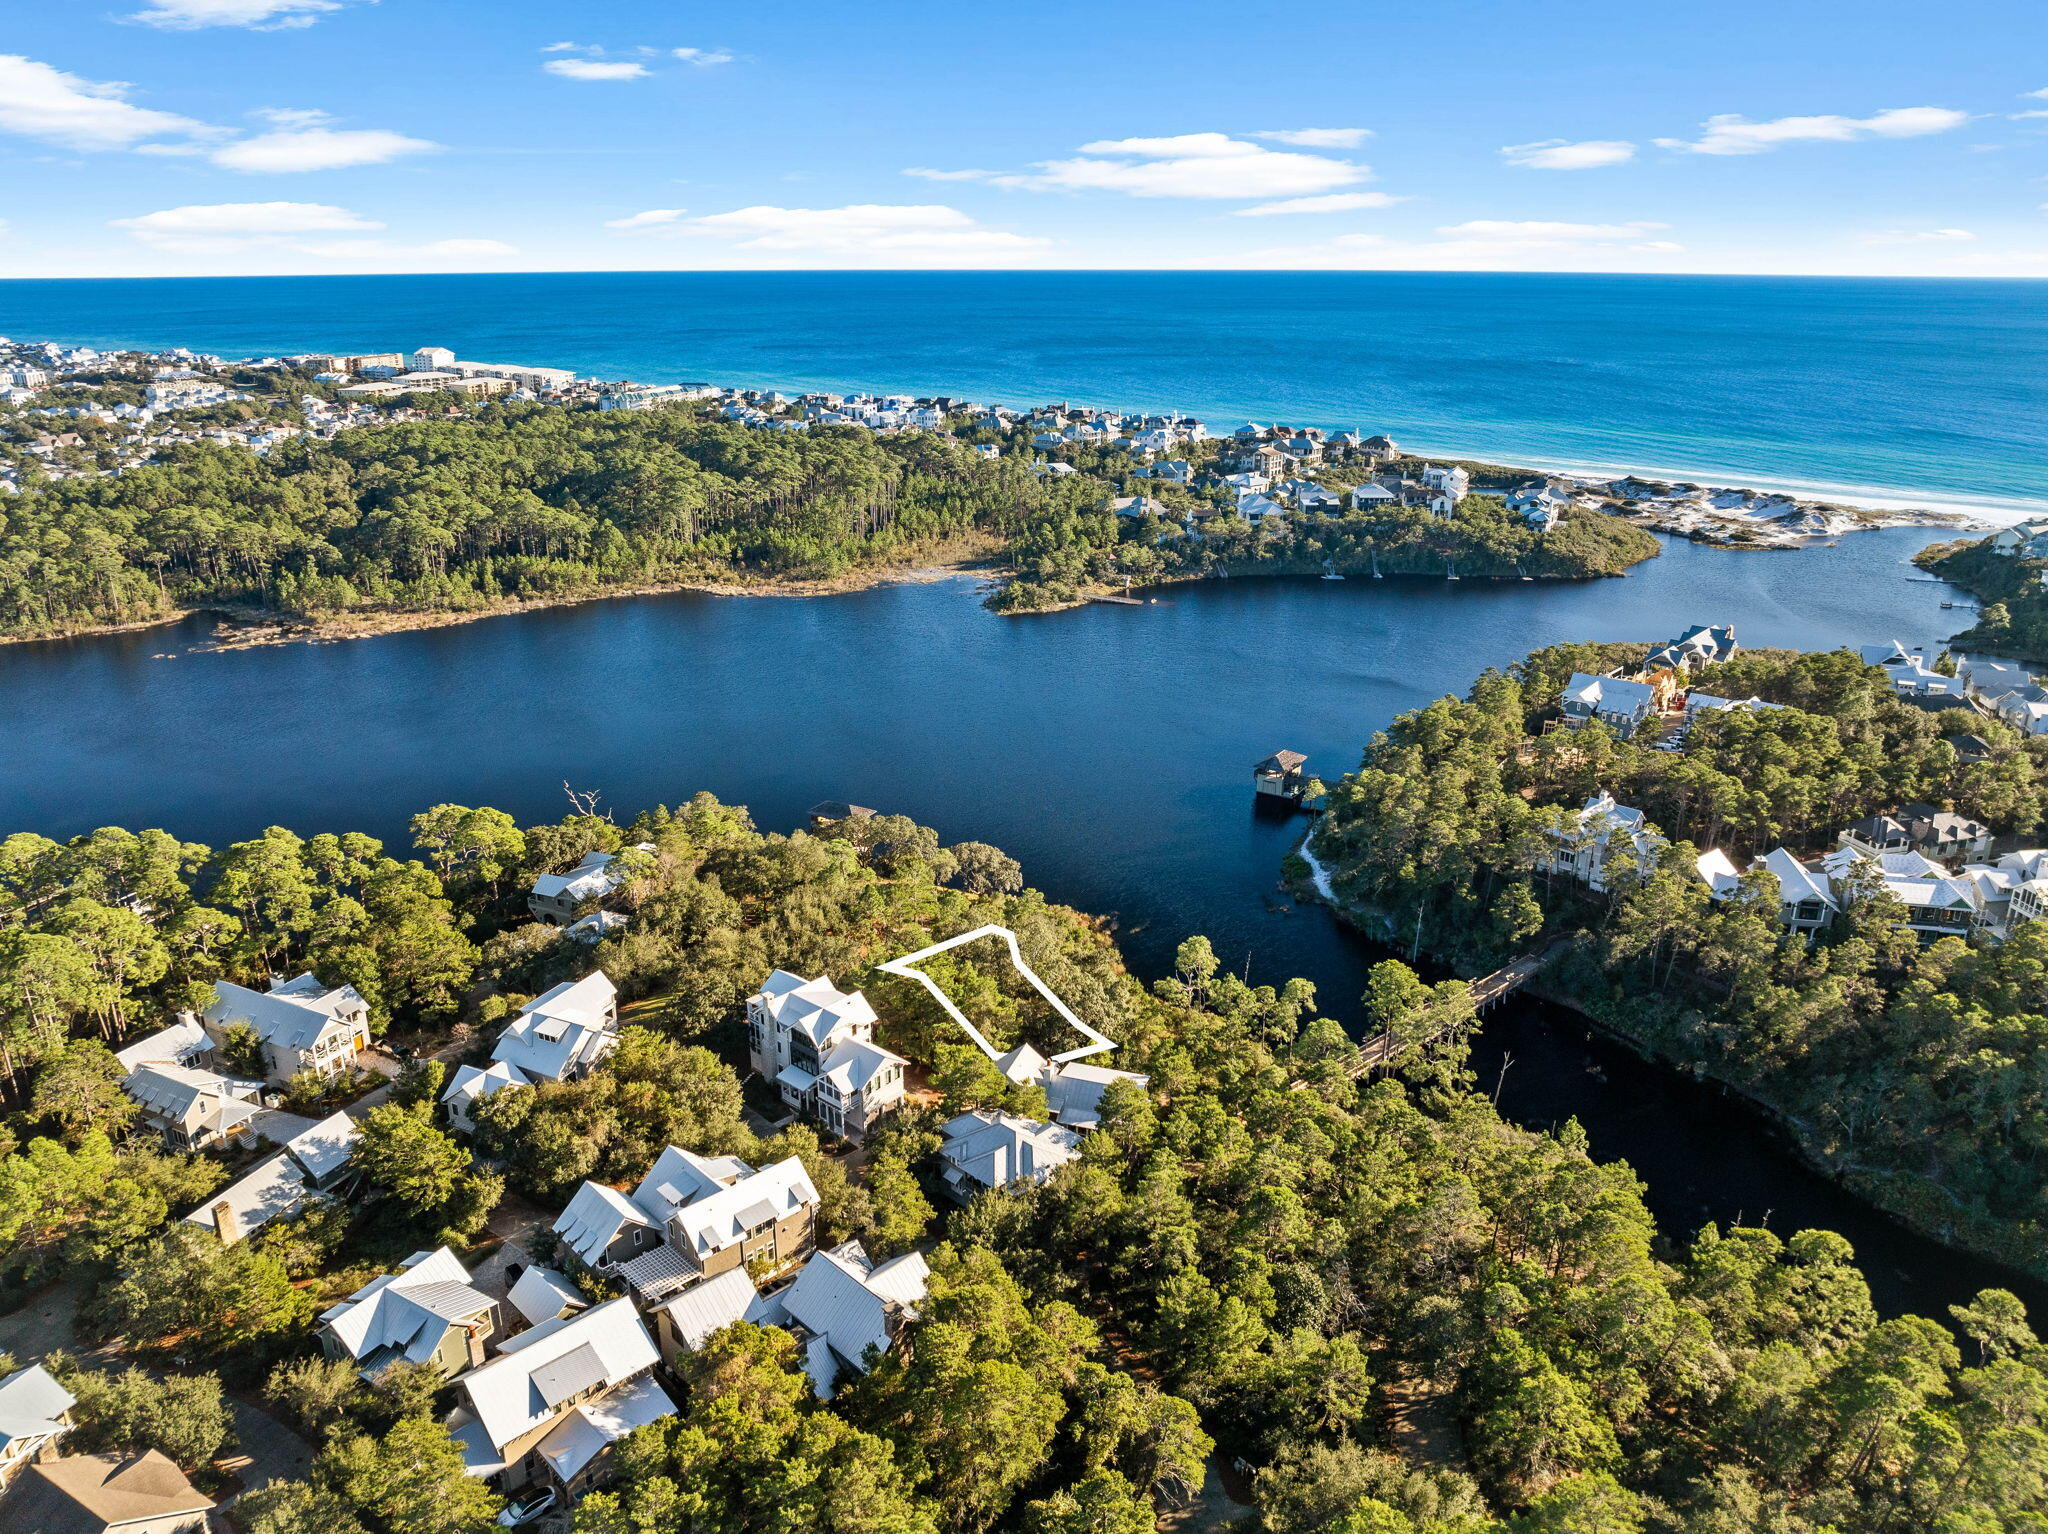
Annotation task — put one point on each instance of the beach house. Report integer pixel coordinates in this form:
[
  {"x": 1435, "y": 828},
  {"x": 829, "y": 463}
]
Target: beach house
[
  {"x": 816, "y": 1045},
  {"x": 302, "y": 1024},
  {"x": 984, "y": 1149},
  {"x": 427, "y": 1312}
]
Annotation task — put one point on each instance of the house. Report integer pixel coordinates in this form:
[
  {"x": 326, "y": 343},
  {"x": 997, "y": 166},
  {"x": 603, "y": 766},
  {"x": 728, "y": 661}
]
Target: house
[
  {"x": 2024, "y": 708},
  {"x": 982, "y": 1149},
  {"x": 472, "y": 1084},
  {"x": 2029, "y": 539},
  {"x": 1622, "y": 706},
  {"x": 106, "y": 1494},
  {"x": 1718, "y": 873},
  {"x": 846, "y": 1312},
  {"x": 302, "y": 1024},
  {"x": 1939, "y": 834},
  {"x": 541, "y": 1294},
  {"x": 1938, "y": 903},
  {"x": 193, "y": 1108},
  {"x": 35, "y": 1411},
  {"x": 1256, "y": 508},
  {"x": 183, "y": 1043},
  {"x": 692, "y": 1218},
  {"x": 1597, "y": 833},
  {"x": 1073, "y": 1090},
  {"x": 563, "y": 1032},
  {"x": 1989, "y": 679},
  {"x": 1700, "y": 645},
  {"x": 549, "y": 1407},
  {"x": 1373, "y": 497},
  {"x": 1447, "y": 487},
  {"x": 1806, "y": 898},
  {"x": 815, "y": 1043},
  {"x": 1307, "y": 495},
  {"x": 1538, "y": 505},
  {"x": 685, "y": 1323},
  {"x": 556, "y": 898},
  {"x": 310, "y": 1166},
  {"x": 426, "y": 1313},
  {"x": 1138, "y": 506}
]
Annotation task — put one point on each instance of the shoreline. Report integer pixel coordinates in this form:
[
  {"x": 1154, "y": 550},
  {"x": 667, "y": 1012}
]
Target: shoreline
[{"x": 1781, "y": 1125}]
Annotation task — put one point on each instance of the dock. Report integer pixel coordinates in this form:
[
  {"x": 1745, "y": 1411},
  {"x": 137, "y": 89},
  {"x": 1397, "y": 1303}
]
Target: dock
[
  {"x": 1383, "y": 1050},
  {"x": 1120, "y": 601}
]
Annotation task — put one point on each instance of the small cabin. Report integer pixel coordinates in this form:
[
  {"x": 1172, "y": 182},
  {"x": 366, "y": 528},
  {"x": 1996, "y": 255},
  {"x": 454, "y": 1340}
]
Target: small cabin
[
  {"x": 1284, "y": 775},
  {"x": 831, "y": 811}
]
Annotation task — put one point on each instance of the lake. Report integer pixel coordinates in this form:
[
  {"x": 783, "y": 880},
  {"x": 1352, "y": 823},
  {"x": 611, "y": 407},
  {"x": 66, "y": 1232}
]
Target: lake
[{"x": 1109, "y": 748}]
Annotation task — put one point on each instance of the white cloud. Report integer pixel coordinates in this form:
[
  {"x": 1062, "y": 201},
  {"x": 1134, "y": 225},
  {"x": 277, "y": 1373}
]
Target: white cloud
[
  {"x": 594, "y": 69},
  {"x": 1191, "y": 165},
  {"x": 1335, "y": 202},
  {"x": 891, "y": 231},
  {"x": 1488, "y": 244},
  {"x": 41, "y": 102},
  {"x": 297, "y": 149},
  {"x": 648, "y": 220},
  {"x": 703, "y": 58},
  {"x": 263, "y": 15},
  {"x": 229, "y": 226},
  {"x": 926, "y": 173},
  {"x": 1562, "y": 154},
  {"x": 561, "y": 48},
  {"x": 2040, "y": 95},
  {"x": 1731, "y": 133},
  {"x": 1318, "y": 138},
  {"x": 1919, "y": 237}
]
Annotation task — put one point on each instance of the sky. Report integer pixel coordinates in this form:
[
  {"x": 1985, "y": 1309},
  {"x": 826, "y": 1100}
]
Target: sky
[{"x": 1826, "y": 137}]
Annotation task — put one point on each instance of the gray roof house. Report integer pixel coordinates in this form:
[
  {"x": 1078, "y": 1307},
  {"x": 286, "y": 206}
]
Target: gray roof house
[
  {"x": 426, "y": 1313},
  {"x": 558, "y": 1396},
  {"x": 846, "y": 1311},
  {"x": 311, "y": 1165},
  {"x": 35, "y": 1411},
  {"x": 981, "y": 1150},
  {"x": 303, "y": 1024},
  {"x": 1620, "y": 705},
  {"x": 190, "y": 1106},
  {"x": 563, "y": 1032}
]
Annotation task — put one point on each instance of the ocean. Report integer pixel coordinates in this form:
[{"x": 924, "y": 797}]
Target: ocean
[{"x": 1889, "y": 392}]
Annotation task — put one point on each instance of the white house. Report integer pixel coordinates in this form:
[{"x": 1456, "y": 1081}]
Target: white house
[
  {"x": 35, "y": 1411},
  {"x": 1598, "y": 831},
  {"x": 303, "y": 1025},
  {"x": 427, "y": 1312},
  {"x": 551, "y": 1405},
  {"x": 846, "y": 1312},
  {"x": 1447, "y": 487},
  {"x": 472, "y": 1084},
  {"x": 981, "y": 1150},
  {"x": 1806, "y": 897},
  {"x": 561, "y": 1033},
  {"x": 1538, "y": 505},
  {"x": 816, "y": 1044},
  {"x": 310, "y": 1166},
  {"x": 555, "y": 898},
  {"x": 1073, "y": 1090},
  {"x": 191, "y": 1107}
]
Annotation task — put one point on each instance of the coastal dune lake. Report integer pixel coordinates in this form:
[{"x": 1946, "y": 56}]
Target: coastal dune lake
[{"x": 1109, "y": 748}]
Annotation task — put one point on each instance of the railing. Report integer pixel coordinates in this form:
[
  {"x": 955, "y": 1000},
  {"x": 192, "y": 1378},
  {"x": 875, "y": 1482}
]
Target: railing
[{"x": 1383, "y": 1049}]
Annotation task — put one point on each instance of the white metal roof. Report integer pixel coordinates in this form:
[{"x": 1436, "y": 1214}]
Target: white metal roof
[{"x": 507, "y": 1395}]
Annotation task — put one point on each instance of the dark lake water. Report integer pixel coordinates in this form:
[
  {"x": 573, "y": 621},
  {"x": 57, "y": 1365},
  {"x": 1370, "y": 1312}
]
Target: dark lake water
[{"x": 1109, "y": 748}]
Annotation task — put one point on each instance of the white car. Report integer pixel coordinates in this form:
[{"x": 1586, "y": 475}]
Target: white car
[{"x": 518, "y": 1513}]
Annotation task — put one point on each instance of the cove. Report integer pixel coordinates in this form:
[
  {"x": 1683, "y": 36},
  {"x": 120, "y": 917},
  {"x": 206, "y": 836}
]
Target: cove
[{"x": 1109, "y": 748}]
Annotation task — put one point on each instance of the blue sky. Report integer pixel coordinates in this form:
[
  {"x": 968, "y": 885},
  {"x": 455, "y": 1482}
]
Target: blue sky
[{"x": 280, "y": 136}]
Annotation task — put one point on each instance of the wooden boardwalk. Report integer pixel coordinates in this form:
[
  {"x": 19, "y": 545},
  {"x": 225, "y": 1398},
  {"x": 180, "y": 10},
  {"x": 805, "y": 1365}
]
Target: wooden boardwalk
[{"x": 1383, "y": 1049}]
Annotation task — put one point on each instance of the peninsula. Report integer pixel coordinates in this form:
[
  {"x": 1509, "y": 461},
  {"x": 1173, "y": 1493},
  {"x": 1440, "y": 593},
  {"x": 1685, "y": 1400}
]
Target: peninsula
[{"x": 323, "y": 496}]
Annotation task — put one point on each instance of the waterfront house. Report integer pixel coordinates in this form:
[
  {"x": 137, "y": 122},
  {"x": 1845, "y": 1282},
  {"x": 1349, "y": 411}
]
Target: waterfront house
[
  {"x": 1987, "y": 679},
  {"x": 556, "y": 898},
  {"x": 547, "y": 1410},
  {"x": 1806, "y": 899},
  {"x": 302, "y": 1024},
  {"x": 815, "y": 1044},
  {"x": 1073, "y": 1089},
  {"x": 1938, "y": 903},
  {"x": 983, "y": 1149},
  {"x": 427, "y": 1312},
  {"x": 692, "y": 1218},
  {"x": 1622, "y": 706},
  {"x": 1699, "y": 646},
  {"x": 1538, "y": 505},
  {"x": 35, "y": 1412},
  {"x": 1372, "y": 496},
  {"x": 2024, "y": 708},
  {"x": 1307, "y": 495},
  {"x": 2025, "y": 539},
  {"x": 1380, "y": 447},
  {"x": 562, "y": 1033},
  {"x": 1447, "y": 487},
  {"x": 106, "y": 1494},
  {"x": 1592, "y": 839},
  {"x": 1137, "y": 506}
]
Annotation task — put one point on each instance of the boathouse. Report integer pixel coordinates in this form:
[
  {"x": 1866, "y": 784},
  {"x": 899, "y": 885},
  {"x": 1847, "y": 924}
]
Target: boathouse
[{"x": 1284, "y": 775}]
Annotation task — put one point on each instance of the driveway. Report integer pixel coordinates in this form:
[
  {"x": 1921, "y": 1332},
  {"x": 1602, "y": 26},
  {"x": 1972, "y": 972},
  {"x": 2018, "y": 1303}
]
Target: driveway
[{"x": 268, "y": 1450}]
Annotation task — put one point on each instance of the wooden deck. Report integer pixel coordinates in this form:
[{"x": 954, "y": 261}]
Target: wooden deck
[{"x": 1383, "y": 1049}]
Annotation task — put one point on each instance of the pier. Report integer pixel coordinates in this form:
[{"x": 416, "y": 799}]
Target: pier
[{"x": 1383, "y": 1050}]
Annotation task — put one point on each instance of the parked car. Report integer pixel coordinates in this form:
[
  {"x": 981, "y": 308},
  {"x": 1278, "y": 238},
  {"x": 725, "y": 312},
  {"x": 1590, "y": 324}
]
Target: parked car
[{"x": 517, "y": 1514}]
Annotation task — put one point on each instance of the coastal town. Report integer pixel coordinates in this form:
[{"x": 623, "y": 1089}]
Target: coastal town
[{"x": 69, "y": 410}]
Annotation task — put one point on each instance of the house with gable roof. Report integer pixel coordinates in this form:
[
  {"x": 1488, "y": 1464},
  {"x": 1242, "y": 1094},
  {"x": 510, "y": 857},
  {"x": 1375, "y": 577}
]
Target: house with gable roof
[
  {"x": 1073, "y": 1089},
  {"x": 302, "y": 1024},
  {"x": 1600, "y": 830},
  {"x": 692, "y": 1218},
  {"x": 846, "y": 1311},
  {"x": 1621, "y": 705},
  {"x": 549, "y": 1407},
  {"x": 815, "y": 1043},
  {"x": 561, "y": 1033},
  {"x": 427, "y": 1312},
  {"x": 106, "y": 1494},
  {"x": 555, "y": 898},
  {"x": 983, "y": 1149},
  {"x": 35, "y": 1411}
]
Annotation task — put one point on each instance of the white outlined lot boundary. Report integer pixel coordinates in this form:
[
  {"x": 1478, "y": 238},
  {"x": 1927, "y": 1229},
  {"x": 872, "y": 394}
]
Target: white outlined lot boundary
[{"x": 905, "y": 966}]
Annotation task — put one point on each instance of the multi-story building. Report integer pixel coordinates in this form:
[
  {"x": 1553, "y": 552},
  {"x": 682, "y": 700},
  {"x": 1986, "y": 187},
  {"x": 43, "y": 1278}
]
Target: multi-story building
[
  {"x": 302, "y": 1024},
  {"x": 816, "y": 1044}
]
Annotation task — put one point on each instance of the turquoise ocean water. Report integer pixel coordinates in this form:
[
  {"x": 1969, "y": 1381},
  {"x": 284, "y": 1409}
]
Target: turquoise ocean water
[{"x": 1915, "y": 392}]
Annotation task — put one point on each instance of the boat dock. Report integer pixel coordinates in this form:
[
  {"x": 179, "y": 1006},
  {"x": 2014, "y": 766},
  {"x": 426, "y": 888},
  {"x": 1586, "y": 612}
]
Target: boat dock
[{"x": 1383, "y": 1050}]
